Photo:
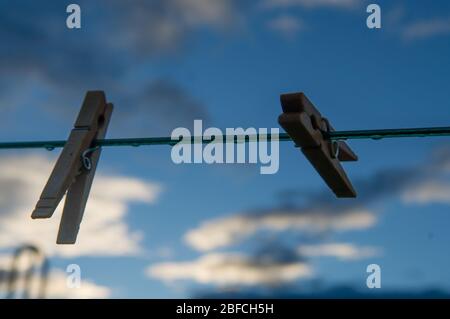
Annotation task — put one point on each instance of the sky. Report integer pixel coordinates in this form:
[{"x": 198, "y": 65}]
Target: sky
[{"x": 155, "y": 229}]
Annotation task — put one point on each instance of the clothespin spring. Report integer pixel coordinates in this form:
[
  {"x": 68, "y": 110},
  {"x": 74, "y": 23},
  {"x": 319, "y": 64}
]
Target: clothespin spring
[
  {"x": 334, "y": 144},
  {"x": 85, "y": 159}
]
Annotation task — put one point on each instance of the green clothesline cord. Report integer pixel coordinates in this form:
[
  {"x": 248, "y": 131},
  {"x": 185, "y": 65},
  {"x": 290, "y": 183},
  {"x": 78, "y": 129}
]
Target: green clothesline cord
[{"x": 334, "y": 136}]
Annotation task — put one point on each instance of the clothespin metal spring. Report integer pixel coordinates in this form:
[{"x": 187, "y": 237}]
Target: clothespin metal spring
[{"x": 86, "y": 160}]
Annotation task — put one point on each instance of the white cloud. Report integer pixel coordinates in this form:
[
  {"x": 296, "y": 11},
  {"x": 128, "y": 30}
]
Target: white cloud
[
  {"x": 104, "y": 230},
  {"x": 342, "y": 251},
  {"x": 312, "y": 3},
  {"x": 5, "y": 262},
  {"x": 230, "y": 230},
  {"x": 428, "y": 192},
  {"x": 319, "y": 218},
  {"x": 287, "y": 26},
  {"x": 164, "y": 25},
  {"x": 427, "y": 28},
  {"x": 56, "y": 283},
  {"x": 230, "y": 270},
  {"x": 57, "y": 288},
  {"x": 197, "y": 12}
]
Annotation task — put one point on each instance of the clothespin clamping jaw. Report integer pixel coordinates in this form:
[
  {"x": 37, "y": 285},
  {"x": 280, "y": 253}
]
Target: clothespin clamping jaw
[
  {"x": 308, "y": 129},
  {"x": 75, "y": 168}
]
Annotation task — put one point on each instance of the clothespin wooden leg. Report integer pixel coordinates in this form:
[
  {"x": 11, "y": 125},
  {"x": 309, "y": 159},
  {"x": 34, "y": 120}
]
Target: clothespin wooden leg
[
  {"x": 78, "y": 192},
  {"x": 62, "y": 175}
]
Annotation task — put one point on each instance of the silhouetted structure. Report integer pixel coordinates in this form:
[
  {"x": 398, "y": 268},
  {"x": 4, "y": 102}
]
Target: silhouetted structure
[{"x": 37, "y": 258}]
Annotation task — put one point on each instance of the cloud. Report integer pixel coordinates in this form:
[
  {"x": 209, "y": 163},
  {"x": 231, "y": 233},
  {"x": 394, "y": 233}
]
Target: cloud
[
  {"x": 273, "y": 265},
  {"x": 287, "y": 26},
  {"x": 164, "y": 25},
  {"x": 342, "y": 251},
  {"x": 322, "y": 213},
  {"x": 433, "y": 184},
  {"x": 166, "y": 104},
  {"x": 41, "y": 58},
  {"x": 57, "y": 288},
  {"x": 230, "y": 269},
  {"x": 428, "y": 192},
  {"x": 104, "y": 231},
  {"x": 331, "y": 292},
  {"x": 232, "y": 230},
  {"x": 320, "y": 217},
  {"x": 206, "y": 12},
  {"x": 312, "y": 3},
  {"x": 39, "y": 42},
  {"x": 426, "y": 29}
]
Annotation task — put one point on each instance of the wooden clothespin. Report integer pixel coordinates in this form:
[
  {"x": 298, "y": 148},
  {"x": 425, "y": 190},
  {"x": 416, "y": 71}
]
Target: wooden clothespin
[
  {"x": 307, "y": 128},
  {"x": 75, "y": 168}
]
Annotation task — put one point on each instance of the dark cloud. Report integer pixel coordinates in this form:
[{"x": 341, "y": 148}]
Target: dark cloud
[
  {"x": 114, "y": 33},
  {"x": 331, "y": 292},
  {"x": 288, "y": 233},
  {"x": 387, "y": 183},
  {"x": 166, "y": 106},
  {"x": 39, "y": 55},
  {"x": 232, "y": 270},
  {"x": 277, "y": 252},
  {"x": 379, "y": 187},
  {"x": 36, "y": 43}
]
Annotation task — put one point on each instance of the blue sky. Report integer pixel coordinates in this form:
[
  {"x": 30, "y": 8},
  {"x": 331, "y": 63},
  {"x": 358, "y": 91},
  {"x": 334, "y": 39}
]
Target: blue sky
[{"x": 156, "y": 229}]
